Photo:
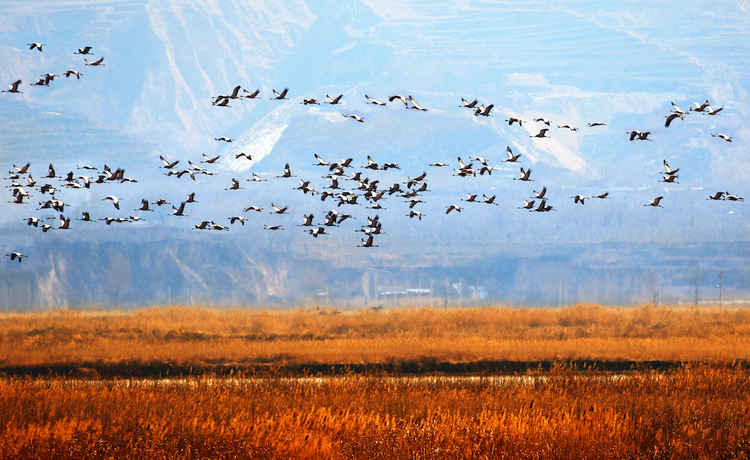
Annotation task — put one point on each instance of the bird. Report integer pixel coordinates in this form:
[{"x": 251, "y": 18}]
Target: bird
[
  {"x": 603, "y": 196},
  {"x": 415, "y": 202},
  {"x": 199, "y": 170},
  {"x": 371, "y": 164},
  {"x": 248, "y": 95},
  {"x": 527, "y": 204},
  {"x": 355, "y": 117},
  {"x": 470, "y": 198},
  {"x": 235, "y": 92},
  {"x": 511, "y": 158},
  {"x": 712, "y": 111},
  {"x": 210, "y": 160},
  {"x": 256, "y": 178},
  {"x": 700, "y": 107},
  {"x": 13, "y": 87},
  {"x": 37, "y": 46},
  {"x": 484, "y": 111},
  {"x": 223, "y": 139},
  {"x": 414, "y": 213},
  {"x": 669, "y": 171},
  {"x": 16, "y": 256},
  {"x": 439, "y": 164},
  {"x": 671, "y": 118},
  {"x": 316, "y": 231},
  {"x": 512, "y": 120},
  {"x": 596, "y": 123},
  {"x": 655, "y": 202},
  {"x": 723, "y": 136},
  {"x": 310, "y": 101},
  {"x": 86, "y": 217},
  {"x": 321, "y": 161},
  {"x": 277, "y": 210},
  {"x": 332, "y": 100},
  {"x": 419, "y": 178},
  {"x": 215, "y": 226},
  {"x": 99, "y": 62},
  {"x": 32, "y": 221},
  {"x": 399, "y": 97},
  {"x": 415, "y": 106},
  {"x": 84, "y": 50},
  {"x": 639, "y": 135},
  {"x": 367, "y": 243},
  {"x": 64, "y": 223},
  {"x": 23, "y": 169},
  {"x": 167, "y": 164},
  {"x": 305, "y": 187},
  {"x": 179, "y": 211},
  {"x": 489, "y": 200},
  {"x": 48, "y": 77},
  {"x": 579, "y": 199},
  {"x": 468, "y": 104},
  {"x": 524, "y": 175},
  {"x": 373, "y": 101},
  {"x": 343, "y": 217},
  {"x": 221, "y": 101},
  {"x": 235, "y": 185},
  {"x": 543, "y": 207},
  {"x": 670, "y": 179},
  {"x": 716, "y": 196},
  {"x": 280, "y": 96},
  {"x": 243, "y": 154},
  {"x": 452, "y": 207},
  {"x": 191, "y": 198},
  {"x": 677, "y": 109},
  {"x": 205, "y": 225},
  {"x": 144, "y": 206},
  {"x": 273, "y": 227},
  {"x": 730, "y": 197},
  {"x": 541, "y": 133},
  {"x": 115, "y": 200},
  {"x": 40, "y": 82},
  {"x": 287, "y": 172},
  {"x": 68, "y": 73},
  {"x": 252, "y": 208},
  {"x": 568, "y": 126},
  {"x": 307, "y": 220},
  {"x": 542, "y": 120}
]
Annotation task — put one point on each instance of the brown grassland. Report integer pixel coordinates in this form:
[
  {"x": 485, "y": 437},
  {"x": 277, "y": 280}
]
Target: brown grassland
[{"x": 414, "y": 383}]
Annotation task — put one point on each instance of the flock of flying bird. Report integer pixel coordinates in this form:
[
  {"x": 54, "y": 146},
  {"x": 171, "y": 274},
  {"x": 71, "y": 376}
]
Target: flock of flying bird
[{"x": 370, "y": 190}]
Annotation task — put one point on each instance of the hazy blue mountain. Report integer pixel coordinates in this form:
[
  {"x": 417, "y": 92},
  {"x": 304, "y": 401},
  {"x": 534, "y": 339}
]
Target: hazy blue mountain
[{"x": 571, "y": 62}]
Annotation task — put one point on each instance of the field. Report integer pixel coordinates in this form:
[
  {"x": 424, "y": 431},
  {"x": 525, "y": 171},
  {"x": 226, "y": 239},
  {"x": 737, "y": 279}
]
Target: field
[{"x": 586, "y": 381}]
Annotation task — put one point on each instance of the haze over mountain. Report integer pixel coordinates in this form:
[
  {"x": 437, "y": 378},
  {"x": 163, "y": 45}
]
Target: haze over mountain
[{"x": 571, "y": 62}]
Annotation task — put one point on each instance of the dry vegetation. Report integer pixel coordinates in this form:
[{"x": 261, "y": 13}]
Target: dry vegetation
[
  {"x": 697, "y": 412},
  {"x": 198, "y": 337}
]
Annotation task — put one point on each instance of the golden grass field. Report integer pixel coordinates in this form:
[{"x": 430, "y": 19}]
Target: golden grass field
[{"x": 244, "y": 399}]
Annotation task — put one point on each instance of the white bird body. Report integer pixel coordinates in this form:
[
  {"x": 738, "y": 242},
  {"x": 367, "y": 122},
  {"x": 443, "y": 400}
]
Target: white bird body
[
  {"x": 115, "y": 200},
  {"x": 99, "y": 62},
  {"x": 723, "y": 136},
  {"x": 511, "y": 158},
  {"x": 373, "y": 101},
  {"x": 655, "y": 202},
  {"x": 332, "y": 100}
]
